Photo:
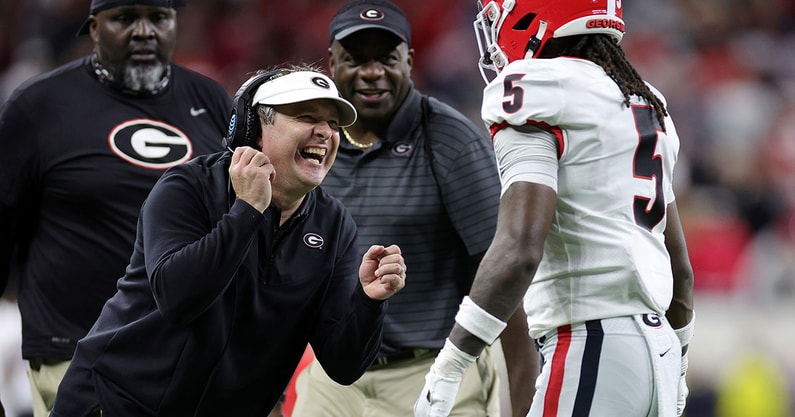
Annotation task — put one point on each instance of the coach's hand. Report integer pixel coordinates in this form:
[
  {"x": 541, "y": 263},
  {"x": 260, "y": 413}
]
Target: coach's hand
[
  {"x": 382, "y": 272},
  {"x": 251, "y": 173}
]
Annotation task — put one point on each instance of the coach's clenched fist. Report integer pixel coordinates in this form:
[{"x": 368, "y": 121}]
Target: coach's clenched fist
[
  {"x": 251, "y": 173},
  {"x": 382, "y": 272}
]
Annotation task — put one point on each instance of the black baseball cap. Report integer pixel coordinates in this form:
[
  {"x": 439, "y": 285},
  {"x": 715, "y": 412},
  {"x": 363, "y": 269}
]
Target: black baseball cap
[
  {"x": 100, "y": 5},
  {"x": 370, "y": 14}
]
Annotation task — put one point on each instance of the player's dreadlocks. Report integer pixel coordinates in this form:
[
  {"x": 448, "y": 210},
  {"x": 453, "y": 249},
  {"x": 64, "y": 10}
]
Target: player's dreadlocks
[{"x": 605, "y": 52}]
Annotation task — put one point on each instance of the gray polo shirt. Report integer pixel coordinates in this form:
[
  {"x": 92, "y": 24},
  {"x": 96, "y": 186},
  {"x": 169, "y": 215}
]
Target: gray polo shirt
[{"x": 394, "y": 198}]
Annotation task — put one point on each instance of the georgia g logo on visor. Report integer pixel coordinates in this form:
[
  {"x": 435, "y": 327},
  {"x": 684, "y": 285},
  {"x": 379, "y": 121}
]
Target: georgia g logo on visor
[
  {"x": 150, "y": 144},
  {"x": 321, "y": 82}
]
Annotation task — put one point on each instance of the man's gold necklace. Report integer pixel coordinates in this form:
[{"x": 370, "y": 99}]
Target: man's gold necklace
[{"x": 354, "y": 142}]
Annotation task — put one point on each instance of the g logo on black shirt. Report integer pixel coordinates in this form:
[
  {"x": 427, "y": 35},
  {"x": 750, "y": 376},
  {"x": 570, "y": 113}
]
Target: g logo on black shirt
[
  {"x": 313, "y": 240},
  {"x": 402, "y": 149},
  {"x": 150, "y": 144}
]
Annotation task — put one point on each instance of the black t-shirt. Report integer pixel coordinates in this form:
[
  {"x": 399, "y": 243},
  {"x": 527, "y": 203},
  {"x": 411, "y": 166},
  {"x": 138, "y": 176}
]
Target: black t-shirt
[{"x": 78, "y": 160}]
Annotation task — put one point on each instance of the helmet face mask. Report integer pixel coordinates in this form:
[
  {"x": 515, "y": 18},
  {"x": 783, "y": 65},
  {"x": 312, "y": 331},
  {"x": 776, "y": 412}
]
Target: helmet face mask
[
  {"x": 510, "y": 30},
  {"x": 486, "y": 26}
]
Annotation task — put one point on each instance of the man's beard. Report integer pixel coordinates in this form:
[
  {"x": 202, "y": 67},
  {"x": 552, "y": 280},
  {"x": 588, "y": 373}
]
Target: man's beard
[{"x": 143, "y": 77}]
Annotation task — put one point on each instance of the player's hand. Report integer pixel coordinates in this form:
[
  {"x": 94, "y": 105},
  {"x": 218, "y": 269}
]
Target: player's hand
[
  {"x": 437, "y": 396},
  {"x": 683, "y": 390},
  {"x": 442, "y": 381},
  {"x": 382, "y": 272},
  {"x": 251, "y": 173}
]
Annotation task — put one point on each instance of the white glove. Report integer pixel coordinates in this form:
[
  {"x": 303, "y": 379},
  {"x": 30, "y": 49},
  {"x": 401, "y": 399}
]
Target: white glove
[
  {"x": 437, "y": 397},
  {"x": 442, "y": 382},
  {"x": 685, "y": 334},
  {"x": 683, "y": 391}
]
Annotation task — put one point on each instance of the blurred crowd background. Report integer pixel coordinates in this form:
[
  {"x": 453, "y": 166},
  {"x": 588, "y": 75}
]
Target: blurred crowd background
[{"x": 726, "y": 67}]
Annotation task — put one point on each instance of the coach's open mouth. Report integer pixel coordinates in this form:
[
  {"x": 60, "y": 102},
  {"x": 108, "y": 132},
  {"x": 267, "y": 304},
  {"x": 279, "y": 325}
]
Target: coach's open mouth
[{"x": 314, "y": 154}]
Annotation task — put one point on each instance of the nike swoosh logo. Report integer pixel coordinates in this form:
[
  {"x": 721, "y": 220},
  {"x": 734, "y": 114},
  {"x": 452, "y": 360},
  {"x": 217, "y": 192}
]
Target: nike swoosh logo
[
  {"x": 195, "y": 112},
  {"x": 663, "y": 354}
]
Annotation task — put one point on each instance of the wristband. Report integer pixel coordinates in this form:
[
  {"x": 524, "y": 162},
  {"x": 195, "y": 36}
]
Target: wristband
[
  {"x": 478, "y": 321},
  {"x": 685, "y": 334}
]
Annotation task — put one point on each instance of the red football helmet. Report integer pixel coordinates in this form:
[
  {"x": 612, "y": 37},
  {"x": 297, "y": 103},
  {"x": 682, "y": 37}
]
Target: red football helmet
[{"x": 507, "y": 29}]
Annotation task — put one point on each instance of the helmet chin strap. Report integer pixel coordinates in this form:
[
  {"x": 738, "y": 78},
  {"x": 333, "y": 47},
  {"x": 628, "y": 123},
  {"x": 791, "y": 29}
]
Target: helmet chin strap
[{"x": 535, "y": 41}]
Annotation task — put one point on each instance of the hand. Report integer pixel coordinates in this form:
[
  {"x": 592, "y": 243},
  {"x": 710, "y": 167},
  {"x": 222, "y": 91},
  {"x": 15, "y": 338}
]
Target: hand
[
  {"x": 251, "y": 173},
  {"x": 437, "y": 396},
  {"x": 683, "y": 390},
  {"x": 442, "y": 381},
  {"x": 382, "y": 272}
]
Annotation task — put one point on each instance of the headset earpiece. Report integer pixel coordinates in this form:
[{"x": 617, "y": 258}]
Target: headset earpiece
[
  {"x": 244, "y": 126},
  {"x": 252, "y": 127}
]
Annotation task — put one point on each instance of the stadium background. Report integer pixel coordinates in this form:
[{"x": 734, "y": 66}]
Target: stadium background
[{"x": 727, "y": 68}]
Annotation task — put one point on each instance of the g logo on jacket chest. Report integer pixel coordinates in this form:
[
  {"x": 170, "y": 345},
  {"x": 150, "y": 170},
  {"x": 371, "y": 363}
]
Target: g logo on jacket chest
[
  {"x": 313, "y": 240},
  {"x": 150, "y": 144}
]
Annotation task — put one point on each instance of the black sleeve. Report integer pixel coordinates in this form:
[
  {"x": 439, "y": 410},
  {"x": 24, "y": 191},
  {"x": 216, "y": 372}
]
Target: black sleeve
[
  {"x": 18, "y": 167},
  {"x": 191, "y": 257},
  {"x": 350, "y": 329}
]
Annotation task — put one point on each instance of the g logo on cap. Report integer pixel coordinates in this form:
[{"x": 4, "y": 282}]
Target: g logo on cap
[{"x": 372, "y": 14}]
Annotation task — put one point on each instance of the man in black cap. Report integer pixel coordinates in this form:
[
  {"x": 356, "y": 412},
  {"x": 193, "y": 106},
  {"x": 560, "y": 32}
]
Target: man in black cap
[
  {"x": 413, "y": 171},
  {"x": 82, "y": 146}
]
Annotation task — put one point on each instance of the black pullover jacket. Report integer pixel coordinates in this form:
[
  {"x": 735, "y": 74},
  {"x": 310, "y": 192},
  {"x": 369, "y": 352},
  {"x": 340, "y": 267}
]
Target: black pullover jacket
[{"x": 219, "y": 301}]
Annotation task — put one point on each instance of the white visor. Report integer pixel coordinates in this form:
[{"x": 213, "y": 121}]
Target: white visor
[{"x": 304, "y": 86}]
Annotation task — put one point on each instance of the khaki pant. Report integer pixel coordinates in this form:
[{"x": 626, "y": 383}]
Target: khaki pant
[
  {"x": 44, "y": 383},
  {"x": 391, "y": 390}
]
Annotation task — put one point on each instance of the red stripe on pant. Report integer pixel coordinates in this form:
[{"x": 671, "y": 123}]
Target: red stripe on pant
[{"x": 558, "y": 367}]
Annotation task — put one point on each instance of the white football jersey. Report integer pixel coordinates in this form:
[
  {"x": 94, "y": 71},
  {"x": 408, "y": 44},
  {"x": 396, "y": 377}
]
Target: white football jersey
[{"x": 612, "y": 168}]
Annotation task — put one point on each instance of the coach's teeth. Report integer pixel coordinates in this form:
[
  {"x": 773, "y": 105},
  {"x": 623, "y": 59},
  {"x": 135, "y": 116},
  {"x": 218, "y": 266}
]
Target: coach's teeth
[
  {"x": 315, "y": 151},
  {"x": 314, "y": 154}
]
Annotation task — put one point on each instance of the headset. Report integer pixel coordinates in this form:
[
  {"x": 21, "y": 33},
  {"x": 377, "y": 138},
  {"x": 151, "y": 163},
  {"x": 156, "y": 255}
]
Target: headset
[{"x": 244, "y": 128}]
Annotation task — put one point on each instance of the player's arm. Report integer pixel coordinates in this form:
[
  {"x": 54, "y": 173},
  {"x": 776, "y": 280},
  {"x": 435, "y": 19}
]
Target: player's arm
[
  {"x": 522, "y": 362},
  {"x": 680, "y": 313},
  {"x": 527, "y": 158},
  {"x": 510, "y": 263},
  {"x": 528, "y": 171},
  {"x": 524, "y": 220}
]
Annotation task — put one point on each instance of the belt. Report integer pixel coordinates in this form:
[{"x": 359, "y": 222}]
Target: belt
[{"x": 403, "y": 355}]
